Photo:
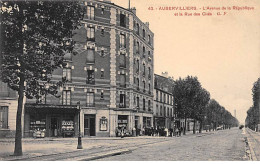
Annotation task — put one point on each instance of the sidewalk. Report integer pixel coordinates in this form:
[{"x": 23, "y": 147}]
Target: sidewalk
[
  {"x": 253, "y": 138},
  {"x": 47, "y": 146}
]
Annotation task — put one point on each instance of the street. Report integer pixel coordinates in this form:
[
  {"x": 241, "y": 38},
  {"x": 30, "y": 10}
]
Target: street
[{"x": 226, "y": 145}]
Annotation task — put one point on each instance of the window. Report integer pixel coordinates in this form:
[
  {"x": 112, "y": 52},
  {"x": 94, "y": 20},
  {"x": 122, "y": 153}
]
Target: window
[
  {"x": 143, "y": 69},
  {"x": 90, "y": 99},
  {"x": 149, "y": 39},
  {"x": 90, "y": 56},
  {"x": 122, "y": 80},
  {"x": 67, "y": 73},
  {"x": 137, "y": 47},
  {"x": 149, "y": 105},
  {"x": 91, "y": 34},
  {"x": 164, "y": 111},
  {"x": 102, "y": 31},
  {"x": 137, "y": 29},
  {"x": 168, "y": 101},
  {"x": 144, "y": 86},
  {"x": 149, "y": 88},
  {"x": 90, "y": 77},
  {"x": 91, "y": 12},
  {"x": 137, "y": 66},
  {"x": 66, "y": 97},
  {"x": 4, "y": 117},
  {"x": 137, "y": 101},
  {"x": 164, "y": 98},
  {"x": 168, "y": 112},
  {"x": 122, "y": 41},
  {"x": 102, "y": 10},
  {"x": 122, "y": 61},
  {"x": 137, "y": 81},
  {"x": 160, "y": 96},
  {"x": 102, "y": 95},
  {"x": 122, "y": 103},
  {"x": 102, "y": 74},
  {"x": 102, "y": 53},
  {"x": 144, "y": 33},
  {"x": 143, "y": 104},
  {"x": 157, "y": 110},
  {"x": 160, "y": 110},
  {"x": 156, "y": 95},
  {"x": 143, "y": 51},
  {"x": 149, "y": 73},
  {"x": 122, "y": 20}
]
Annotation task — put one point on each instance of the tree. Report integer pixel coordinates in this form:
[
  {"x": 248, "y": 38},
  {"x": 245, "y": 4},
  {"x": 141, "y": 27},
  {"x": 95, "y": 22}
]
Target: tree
[
  {"x": 185, "y": 92},
  {"x": 35, "y": 37},
  {"x": 201, "y": 101}
]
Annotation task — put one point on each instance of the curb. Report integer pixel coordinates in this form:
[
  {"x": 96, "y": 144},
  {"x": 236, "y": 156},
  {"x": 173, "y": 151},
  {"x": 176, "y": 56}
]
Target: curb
[{"x": 252, "y": 152}]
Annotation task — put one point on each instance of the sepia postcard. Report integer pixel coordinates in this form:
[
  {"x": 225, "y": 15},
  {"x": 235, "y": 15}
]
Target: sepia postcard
[{"x": 130, "y": 80}]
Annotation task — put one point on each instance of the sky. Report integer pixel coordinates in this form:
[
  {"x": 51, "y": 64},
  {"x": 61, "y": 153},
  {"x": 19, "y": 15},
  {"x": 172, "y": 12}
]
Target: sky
[{"x": 222, "y": 51}]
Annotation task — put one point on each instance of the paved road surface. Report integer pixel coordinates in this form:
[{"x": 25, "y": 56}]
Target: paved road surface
[{"x": 225, "y": 145}]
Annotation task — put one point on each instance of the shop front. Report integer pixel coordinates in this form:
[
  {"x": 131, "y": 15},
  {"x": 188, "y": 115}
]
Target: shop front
[{"x": 50, "y": 120}]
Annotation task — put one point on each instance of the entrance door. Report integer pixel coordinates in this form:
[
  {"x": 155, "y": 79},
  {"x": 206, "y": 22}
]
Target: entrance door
[
  {"x": 54, "y": 127},
  {"x": 89, "y": 125}
]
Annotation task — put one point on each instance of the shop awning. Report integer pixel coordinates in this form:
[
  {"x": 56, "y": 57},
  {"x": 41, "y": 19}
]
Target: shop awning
[{"x": 50, "y": 108}]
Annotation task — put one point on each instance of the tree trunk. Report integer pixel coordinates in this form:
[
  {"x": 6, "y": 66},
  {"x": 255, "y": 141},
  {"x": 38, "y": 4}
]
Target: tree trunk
[
  {"x": 200, "y": 130},
  {"x": 194, "y": 126},
  {"x": 18, "y": 134},
  {"x": 184, "y": 128}
]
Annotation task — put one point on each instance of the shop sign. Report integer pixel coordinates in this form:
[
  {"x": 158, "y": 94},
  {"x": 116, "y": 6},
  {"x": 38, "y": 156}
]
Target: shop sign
[
  {"x": 103, "y": 124},
  {"x": 122, "y": 121}
]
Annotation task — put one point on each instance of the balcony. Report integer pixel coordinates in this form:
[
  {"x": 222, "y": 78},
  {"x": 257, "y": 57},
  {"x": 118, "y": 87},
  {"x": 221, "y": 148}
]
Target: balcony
[
  {"x": 91, "y": 39},
  {"x": 123, "y": 85},
  {"x": 92, "y": 81},
  {"x": 90, "y": 104},
  {"x": 122, "y": 105}
]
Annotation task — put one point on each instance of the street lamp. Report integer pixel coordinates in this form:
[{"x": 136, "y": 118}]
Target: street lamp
[{"x": 79, "y": 136}]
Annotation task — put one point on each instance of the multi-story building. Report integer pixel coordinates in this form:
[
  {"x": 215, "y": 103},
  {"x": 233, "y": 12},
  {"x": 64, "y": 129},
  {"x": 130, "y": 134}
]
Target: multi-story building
[
  {"x": 8, "y": 109},
  {"x": 111, "y": 77},
  {"x": 163, "y": 101}
]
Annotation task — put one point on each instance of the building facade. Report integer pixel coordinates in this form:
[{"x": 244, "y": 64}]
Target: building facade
[
  {"x": 8, "y": 109},
  {"x": 163, "y": 102},
  {"x": 111, "y": 77}
]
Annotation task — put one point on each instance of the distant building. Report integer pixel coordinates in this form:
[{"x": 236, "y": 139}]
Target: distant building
[
  {"x": 163, "y": 101},
  {"x": 112, "y": 77}
]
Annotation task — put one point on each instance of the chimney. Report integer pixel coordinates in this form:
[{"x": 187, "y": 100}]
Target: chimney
[
  {"x": 165, "y": 74},
  {"x": 147, "y": 24},
  {"x": 133, "y": 10}
]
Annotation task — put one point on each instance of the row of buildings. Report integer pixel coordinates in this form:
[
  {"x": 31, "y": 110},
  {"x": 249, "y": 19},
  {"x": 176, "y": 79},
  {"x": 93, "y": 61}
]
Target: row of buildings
[{"x": 111, "y": 82}]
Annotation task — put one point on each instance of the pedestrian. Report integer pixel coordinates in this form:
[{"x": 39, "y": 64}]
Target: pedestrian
[
  {"x": 177, "y": 132},
  {"x": 122, "y": 132}
]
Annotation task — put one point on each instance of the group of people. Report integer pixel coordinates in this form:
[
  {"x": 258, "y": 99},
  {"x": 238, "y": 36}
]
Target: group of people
[{"x": 158, "y": 131}]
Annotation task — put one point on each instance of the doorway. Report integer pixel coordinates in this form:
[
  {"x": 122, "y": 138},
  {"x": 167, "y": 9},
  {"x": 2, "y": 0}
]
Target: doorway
[
  {"x": 89, "y": 125},
  {"x": 54, "y": 127}
]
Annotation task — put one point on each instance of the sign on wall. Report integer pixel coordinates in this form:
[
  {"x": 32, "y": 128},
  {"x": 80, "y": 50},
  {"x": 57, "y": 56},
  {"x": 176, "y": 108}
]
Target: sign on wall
[{"x": 103, "y": 124}]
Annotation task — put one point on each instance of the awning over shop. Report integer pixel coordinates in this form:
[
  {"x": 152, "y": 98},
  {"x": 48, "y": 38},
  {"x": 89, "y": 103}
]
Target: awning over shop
[{"x": 50, "y": 108}]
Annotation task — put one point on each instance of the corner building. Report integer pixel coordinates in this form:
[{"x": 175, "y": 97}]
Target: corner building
[{"x": 112, "y": 77}]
